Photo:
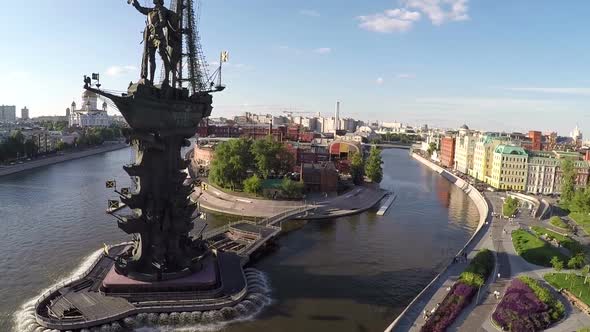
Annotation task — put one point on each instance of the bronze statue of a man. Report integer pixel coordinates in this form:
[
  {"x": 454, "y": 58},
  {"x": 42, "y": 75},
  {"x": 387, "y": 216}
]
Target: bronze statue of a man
[{"x": 159, "y": 31}]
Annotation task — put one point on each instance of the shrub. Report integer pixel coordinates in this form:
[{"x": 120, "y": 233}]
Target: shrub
[
  {"x": 557, "y": 222},
  {"x": 452, "y": 305},
  {"x": 253, "y": 185},
  {"x": 527, "y": 306},
  {"x": 482, "y": 264},
  {"x": 510, "y": 206},
  {"x": 570, "y": 244},
  {"x": 576, "y": 262},
  {"x": 462, "y": 292}
]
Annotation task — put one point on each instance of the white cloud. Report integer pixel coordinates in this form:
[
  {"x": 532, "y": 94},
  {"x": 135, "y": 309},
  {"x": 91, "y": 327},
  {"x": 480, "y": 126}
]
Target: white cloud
[
  {"x": 405, "y": 76},
  {"x": 323, "y": 50},
  {"x": 309, "y": 12},
  {"x": 391, "y": 20},
  {"x": 441, "y": 11},
  {"x": 402, "y": 19},
  {"x": 120, "y": 70},
  {"x": 563, "y": 91},
  {"x": 379, "y": 80}
]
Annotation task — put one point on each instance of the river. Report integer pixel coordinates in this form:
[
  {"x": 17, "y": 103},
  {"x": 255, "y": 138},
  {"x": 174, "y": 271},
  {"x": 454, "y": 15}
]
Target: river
[{"x": 348, "y": 274}]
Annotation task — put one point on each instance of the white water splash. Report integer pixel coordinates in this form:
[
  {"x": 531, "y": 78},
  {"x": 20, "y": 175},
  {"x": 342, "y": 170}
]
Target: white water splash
[
  {"x": 26, "y": 313},
  {"x": 258, "y": 291}
]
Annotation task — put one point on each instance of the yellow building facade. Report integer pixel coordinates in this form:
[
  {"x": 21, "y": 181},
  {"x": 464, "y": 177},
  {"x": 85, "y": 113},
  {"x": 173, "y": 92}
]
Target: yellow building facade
[
  {"x": 509, "y": 168},
  {"x": 483, "y": 156}
]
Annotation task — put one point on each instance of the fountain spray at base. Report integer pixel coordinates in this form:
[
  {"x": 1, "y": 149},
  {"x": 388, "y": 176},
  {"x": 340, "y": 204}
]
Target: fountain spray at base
[{"x": 257, "y": 298}]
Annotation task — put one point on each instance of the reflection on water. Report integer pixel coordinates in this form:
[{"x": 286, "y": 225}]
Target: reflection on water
[{"x": 348, "y": 274}]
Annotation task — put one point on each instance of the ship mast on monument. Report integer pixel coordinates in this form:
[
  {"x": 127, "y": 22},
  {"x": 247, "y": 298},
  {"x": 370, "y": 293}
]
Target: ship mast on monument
[{"x": 167, "y": 271}]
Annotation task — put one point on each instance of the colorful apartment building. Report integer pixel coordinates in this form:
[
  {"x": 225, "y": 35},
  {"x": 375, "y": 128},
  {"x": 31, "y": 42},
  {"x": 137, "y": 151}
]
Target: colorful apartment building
[
  {"x": 509, "y": 168},
  {"x": 447, "y": 151},
  {"x": 464, "y": 150},
  {"x": 541, "y": 168},
  {"x": 483, "y": 156}
]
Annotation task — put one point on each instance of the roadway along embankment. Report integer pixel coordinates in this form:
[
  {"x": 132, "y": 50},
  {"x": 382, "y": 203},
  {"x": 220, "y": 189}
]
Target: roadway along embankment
[
  {"x": 59, "y": 158},
  {"x": 406, "y": 319}
]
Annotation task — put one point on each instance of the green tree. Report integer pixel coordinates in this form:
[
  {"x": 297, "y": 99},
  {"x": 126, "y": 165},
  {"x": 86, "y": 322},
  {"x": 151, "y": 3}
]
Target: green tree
[
  {"x": 286, "y": 160},
  {"x": 61, "y": 145},
  {"x": 585, "y": 272},
  {"x": 472, "y": 279},
  {"x": 373, "y": 168},
  {"x": 357, "y": 168},
  {"x": 576, "y": 262},
  {"x": 232, "y": 161},
  {"x": 266, "y": 155},
  {"x": 568, "y": 184},
  {"x": 510, "y": 206},
  {"x": 556, "y": 263},
  {"x": 253, "y": 185},
  {"x": 30, "y": 148},
  {"x": 431, "y": 148},
  {"x": 291, "y": 189}
]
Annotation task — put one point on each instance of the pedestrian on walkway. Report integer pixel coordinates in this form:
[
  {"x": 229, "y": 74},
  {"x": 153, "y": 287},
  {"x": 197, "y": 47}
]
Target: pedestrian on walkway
[
  {"x": 425, "y": 314},
  {"x": 498, "y": 275}
]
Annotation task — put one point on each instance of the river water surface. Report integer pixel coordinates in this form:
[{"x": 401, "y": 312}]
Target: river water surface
[{"x": 347, "y": 274}]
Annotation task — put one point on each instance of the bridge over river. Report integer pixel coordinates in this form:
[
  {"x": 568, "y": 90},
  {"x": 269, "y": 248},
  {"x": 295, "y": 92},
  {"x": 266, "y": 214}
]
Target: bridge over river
[{"x": 245, "y": 237}]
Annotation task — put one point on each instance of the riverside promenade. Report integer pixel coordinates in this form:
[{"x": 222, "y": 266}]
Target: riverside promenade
[
  {"x": 41, "y": 162},
  {"x": 355, "y": 201},
  {"x": 411, "y": 319}
]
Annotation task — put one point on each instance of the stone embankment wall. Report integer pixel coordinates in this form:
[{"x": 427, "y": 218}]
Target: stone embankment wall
[
  {"x": 60, "y": 158},
  {"x": 413, "y": 310}
]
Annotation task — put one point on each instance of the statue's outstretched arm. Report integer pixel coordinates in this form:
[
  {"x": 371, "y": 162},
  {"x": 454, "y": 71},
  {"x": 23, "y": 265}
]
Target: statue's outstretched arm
[{"x": 140, "y": 9}]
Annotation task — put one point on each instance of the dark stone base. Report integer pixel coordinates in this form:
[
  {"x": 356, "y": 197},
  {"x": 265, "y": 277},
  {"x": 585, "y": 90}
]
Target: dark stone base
[
  {"x": 102, "y": 296},
  {"x": 205, "y": 279}
]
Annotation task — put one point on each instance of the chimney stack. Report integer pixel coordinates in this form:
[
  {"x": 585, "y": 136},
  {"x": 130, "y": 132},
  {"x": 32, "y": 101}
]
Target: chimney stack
[{"x": 337, "y": 117}]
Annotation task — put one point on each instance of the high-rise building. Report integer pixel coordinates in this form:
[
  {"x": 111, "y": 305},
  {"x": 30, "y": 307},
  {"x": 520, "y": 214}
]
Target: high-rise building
[
  {"x": 24, "y": 114},
  {"x": 7, "y": 113},
  {"x": 577, "y": 135}
]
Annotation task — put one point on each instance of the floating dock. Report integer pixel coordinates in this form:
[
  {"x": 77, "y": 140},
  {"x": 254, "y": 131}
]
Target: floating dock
[{"x": 387, "y": 204}]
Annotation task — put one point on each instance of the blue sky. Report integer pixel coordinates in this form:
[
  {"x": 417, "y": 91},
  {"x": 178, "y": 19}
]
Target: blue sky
[{"x": 505, "y": 65}]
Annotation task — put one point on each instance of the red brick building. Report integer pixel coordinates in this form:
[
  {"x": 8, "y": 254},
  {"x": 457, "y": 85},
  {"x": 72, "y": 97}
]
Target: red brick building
[
  {"x": 319, "y": 177},
  {"x": 535, "y": 137},
  {"x": 447, "y": 151}
]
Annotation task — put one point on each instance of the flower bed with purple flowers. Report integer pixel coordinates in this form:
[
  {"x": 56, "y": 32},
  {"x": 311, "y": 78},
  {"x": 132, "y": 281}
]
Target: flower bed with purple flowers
[
  {"x": 527, "y": 306},
  {"x": 461, "y": 293}
]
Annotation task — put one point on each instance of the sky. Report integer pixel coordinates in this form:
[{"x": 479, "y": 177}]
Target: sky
[{"x": 493, "y": 65}]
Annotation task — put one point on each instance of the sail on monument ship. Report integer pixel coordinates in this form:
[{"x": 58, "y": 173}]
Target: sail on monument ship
[{"x": 166, "y": 274}]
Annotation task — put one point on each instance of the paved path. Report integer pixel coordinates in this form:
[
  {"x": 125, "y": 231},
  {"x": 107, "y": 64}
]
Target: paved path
[
  {"x": 354, "y": 201},
  {"x": 510, "y": 265}
]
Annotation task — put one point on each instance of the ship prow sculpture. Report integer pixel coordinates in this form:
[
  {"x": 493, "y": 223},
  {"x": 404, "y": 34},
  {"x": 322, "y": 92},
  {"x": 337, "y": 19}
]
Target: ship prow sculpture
[{"x": 165, "y": 272}]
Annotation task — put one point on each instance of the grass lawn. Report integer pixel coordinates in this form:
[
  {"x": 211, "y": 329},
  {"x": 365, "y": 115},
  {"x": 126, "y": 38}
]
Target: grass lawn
[
  {"x": 582, "y": 219},
  {"x": 573, "y": 284},
  {"x": 557, "y": 222},
  {"x": 570, "y": 244},
  {"x": 535, "y": 250}
]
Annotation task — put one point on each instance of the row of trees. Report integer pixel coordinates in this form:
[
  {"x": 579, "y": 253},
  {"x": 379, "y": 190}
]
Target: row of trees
[
  {"x": 237, "y": 158},
  {"x": 399, "y": 138},
  {"x": 17, "y": 146},
  {"x": 372, "y": 168},
  {"x": 572, "y": 198},
  {"x": 97, "y": 136}
]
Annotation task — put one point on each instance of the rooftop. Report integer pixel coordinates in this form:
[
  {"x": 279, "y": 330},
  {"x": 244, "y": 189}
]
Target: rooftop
[{"x": 510, "y": 149}]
